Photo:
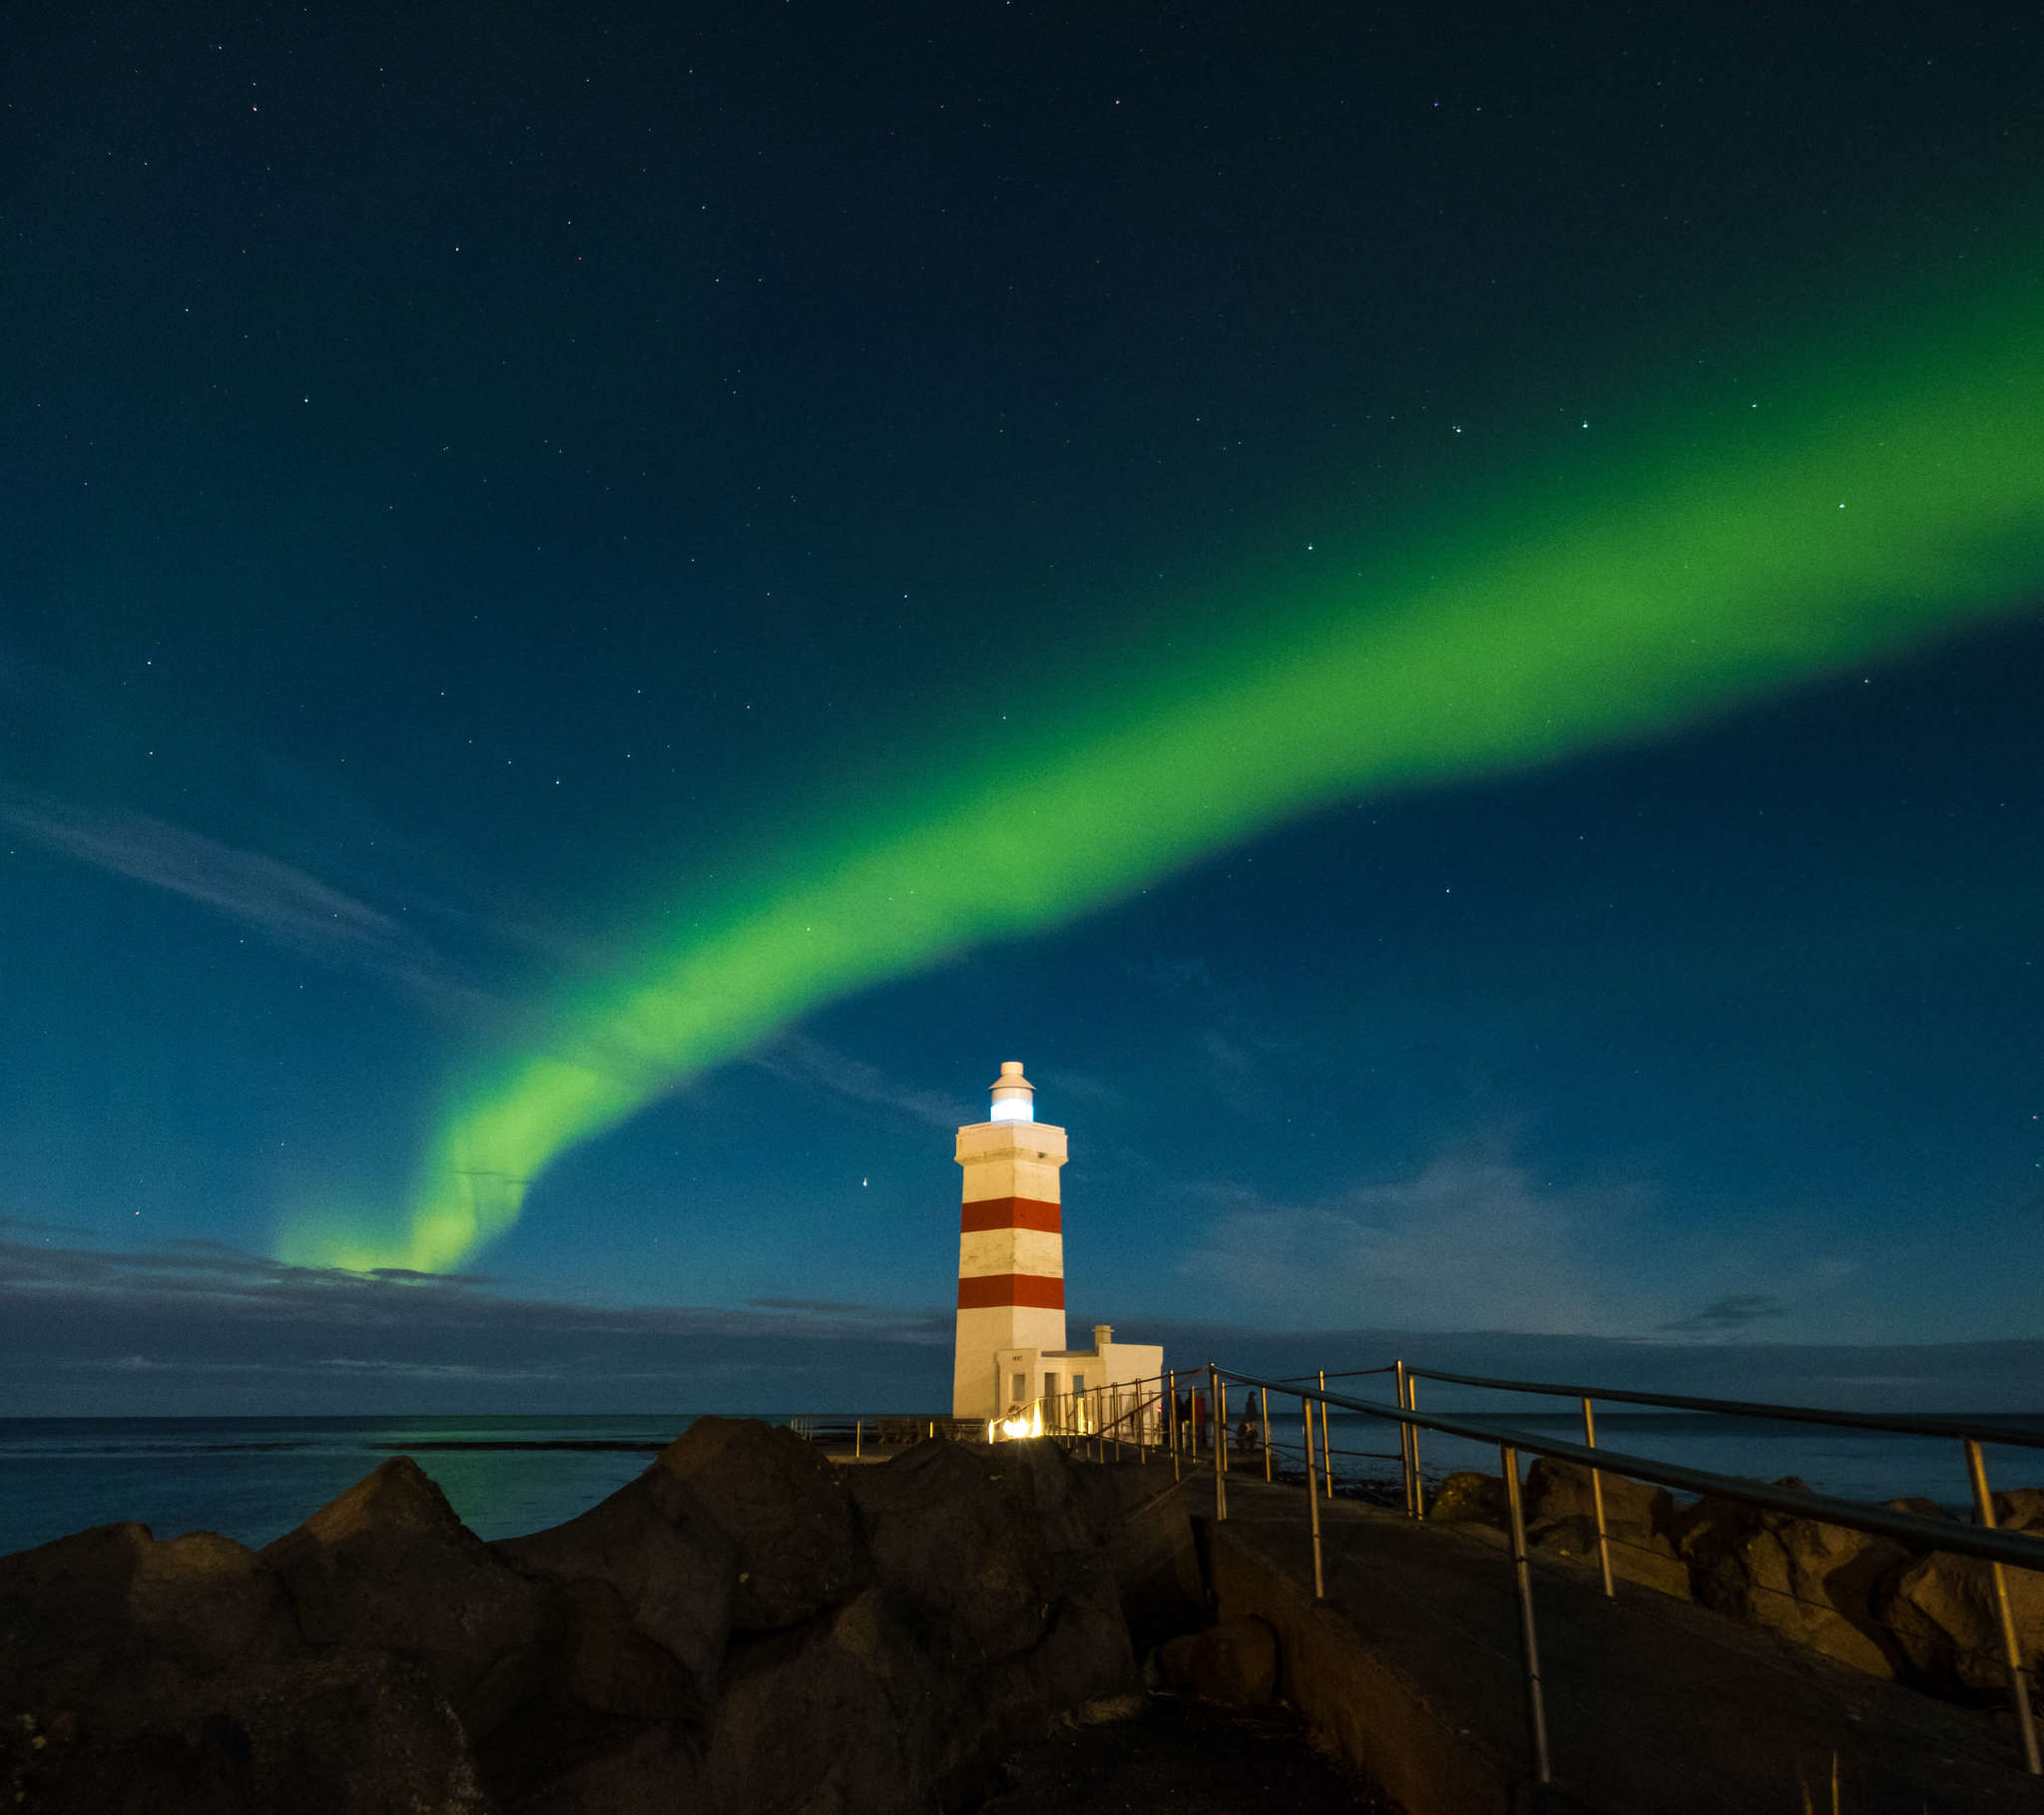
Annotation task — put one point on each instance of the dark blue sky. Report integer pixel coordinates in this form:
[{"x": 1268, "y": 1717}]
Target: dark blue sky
[{"x": 468, "y": 471}]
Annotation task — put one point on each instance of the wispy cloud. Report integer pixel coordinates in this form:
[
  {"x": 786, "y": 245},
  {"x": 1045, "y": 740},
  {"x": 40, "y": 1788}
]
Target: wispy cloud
[
  {"x": 797, "y": 1059},
  {"x": 1729, "y": 1315},
  {"x": 283, "y": 904},
  {"x": 1471, "y": 1241},
  {"x": 191, "y": 1326},
  {"x": 252, "y": 1333}
]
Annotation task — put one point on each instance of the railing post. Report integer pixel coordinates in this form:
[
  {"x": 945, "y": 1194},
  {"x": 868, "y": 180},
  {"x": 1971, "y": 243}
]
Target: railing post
[
  {"x": 1597, "y": 1497},
  {"x": 1412, "y": 1442},
  {"x": 1529, "y": 1642},
  {"x": 1264, "y": 1428},
  {"x": 1404, "y": 1440},
  {"x": 1217, "y": 1403},
  {"x": 1313, "y": 1495},
  {"x": 859, "y": 1435},
  {"x": 1176, "y": 1464},
  {"x": 1326, "y": 1450},
  {"x": 2018, "y": 1681}
]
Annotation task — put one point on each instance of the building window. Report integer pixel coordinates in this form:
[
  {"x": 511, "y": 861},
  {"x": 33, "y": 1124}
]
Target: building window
[
  {"x": 1078, "y": 1383},
  {"x": 1050, "y": 1386},
  {"x": 1021, "y": 1388}
]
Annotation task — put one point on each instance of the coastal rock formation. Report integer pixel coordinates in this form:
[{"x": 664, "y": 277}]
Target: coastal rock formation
[
  {"x": 173, "y": 1677},
  {"x": 389, "y": 1569},
  {"x": 1638, "y": 1520},
  {"x": 645, "y": 1568},
  {"x": 741, "y": 1631},
  {"x": 784, "y": 1508},
  {"x": 1942, "y": 1612},
  {"x": 944, "y": 1536},
  {"x": 1467, "y": 1497},
  {"x": 1812, "y": 1582},
  {"x": 2019, "y": 1509}
]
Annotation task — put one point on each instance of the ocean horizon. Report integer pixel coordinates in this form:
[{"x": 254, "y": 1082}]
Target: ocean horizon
[{"x": 255, "y": 1478}]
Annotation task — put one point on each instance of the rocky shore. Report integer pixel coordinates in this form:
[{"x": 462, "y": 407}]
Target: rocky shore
[
  {"x": 1927, "y": 1620},
  {"x": 743, "y": 1630}
]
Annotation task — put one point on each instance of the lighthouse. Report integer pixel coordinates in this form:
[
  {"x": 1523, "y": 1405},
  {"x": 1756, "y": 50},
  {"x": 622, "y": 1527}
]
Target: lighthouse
[
  {"x": 1011, "y": 1270},
  {"x": 1011, "y": 1252}
]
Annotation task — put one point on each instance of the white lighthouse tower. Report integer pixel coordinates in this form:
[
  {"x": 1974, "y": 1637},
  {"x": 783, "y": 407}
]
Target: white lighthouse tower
[
  {"x": 1011, "y": 1252},
  {"x": 1011, "y": 1278}
]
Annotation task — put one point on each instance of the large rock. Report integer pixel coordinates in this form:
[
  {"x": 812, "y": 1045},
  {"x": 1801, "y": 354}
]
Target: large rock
[
  {"x": 1235, "y": 1662},
  {"x": 389, "y": 1568},
  {"x": 615, "y": 1723},
  {"x": 358, "y": 1736},
  {"x": 1813, "y": 1582},
  {"x": 1469, "y": 1498},
  {"x": 672, "y": 1572},
  {"x": 1072, "y": 1506},
  {"x": 654, "y": 1770},
  {"x": 846, "y": 1715},
  {"x": 112, "y": 1612},
  {"x": 784, "y": 1508},
  {"x": 2019, "y": 1509},
  {"x": 948, "y": 1535},
  {"x": 1562, "y": 1489},
  {"x": 1944, "y": 1617},
  {"x": 1085, "y": 1667},
  {"x": 172, "y": 1677},
  {"x": 1561, "y": 1512}
]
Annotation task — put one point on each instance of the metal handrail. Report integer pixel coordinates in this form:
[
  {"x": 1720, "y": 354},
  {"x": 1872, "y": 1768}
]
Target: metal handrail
[
  {"x": 1980, "y": 1430},
  {"x": 1981, "y": 1540},
  {"x": 1989, "y": 1543}
]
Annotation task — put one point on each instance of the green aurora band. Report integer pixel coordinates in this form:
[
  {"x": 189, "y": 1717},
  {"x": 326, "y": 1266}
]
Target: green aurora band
[{"x": 1873, "y": 500}]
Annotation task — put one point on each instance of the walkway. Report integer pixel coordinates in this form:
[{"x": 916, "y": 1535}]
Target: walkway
[{"x": 1654, "y": 1706}]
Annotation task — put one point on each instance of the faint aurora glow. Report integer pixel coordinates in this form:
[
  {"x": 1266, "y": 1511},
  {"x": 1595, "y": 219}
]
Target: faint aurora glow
[{"x": 1873, "y": 500}]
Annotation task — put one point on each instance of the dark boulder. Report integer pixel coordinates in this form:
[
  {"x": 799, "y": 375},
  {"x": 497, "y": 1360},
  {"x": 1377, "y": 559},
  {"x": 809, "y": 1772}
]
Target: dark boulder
[
  {"x": 846, "y": 1715},
  {"x": 1943, "y": 1614},
  {"x": 672, "y": 1572},
  {"x": 112, "y": 1612},
  {"x": 1469, "y": 1498},
  {"x": 946, "y": 1534},
  {"x": 1235, "y": 1662},
  {"x": 1560, "y": 1513},
  {"x": 1812, "y": 1582},
  {"x": 1563, "y": 1490},
  {"x": 2019, "y": 1509},
  {"x": 614, "y": 1717},
  {"x": 1071, "y": 1505},
  {"x": 1085, "y": 1667},
  {"x": 784, "y": 1508},
  {"x": 388, "y": 1567},
  {"x": 358, "y": 1736}
]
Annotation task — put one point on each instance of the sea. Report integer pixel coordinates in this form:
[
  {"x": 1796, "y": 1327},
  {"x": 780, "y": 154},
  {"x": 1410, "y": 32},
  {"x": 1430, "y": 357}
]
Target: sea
[{"x": 254, "y": 1479}]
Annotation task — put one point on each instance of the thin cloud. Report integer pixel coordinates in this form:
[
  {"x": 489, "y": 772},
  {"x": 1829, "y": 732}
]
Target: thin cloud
[
  {"x": 1729, "y": 1315},
  {"x": 1471, "y": 1241},
  {"x": 798, "y": 1058},
  {"x": 283, "y": 904}
]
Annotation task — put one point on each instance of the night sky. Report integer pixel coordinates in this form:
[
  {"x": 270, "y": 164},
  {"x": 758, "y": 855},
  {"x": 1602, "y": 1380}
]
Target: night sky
[{"x": 1432, "y": 614}]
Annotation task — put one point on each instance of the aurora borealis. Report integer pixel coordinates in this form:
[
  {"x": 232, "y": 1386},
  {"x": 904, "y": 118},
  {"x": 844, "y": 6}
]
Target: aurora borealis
[
  {"x": 1889, "y": 501},
  {"x": 1439, "y": 627}
]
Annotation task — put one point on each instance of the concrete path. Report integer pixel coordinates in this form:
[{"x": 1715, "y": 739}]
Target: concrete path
[{"x": 1654, "y": 1706}]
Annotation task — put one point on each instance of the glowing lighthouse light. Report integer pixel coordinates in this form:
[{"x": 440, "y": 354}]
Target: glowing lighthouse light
[{"x": 1014, "y": 1094}]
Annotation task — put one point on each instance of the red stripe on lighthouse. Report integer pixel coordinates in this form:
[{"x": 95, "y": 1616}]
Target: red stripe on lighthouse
[
  {"x": 1013, "y": 1213},
  {"x": 1000, "y": 1290}
]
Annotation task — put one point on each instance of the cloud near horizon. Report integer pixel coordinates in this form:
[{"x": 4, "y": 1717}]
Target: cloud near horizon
[
  {"x": 1472, "y": 1241},
  {"x": 203, "y": 1329}
]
